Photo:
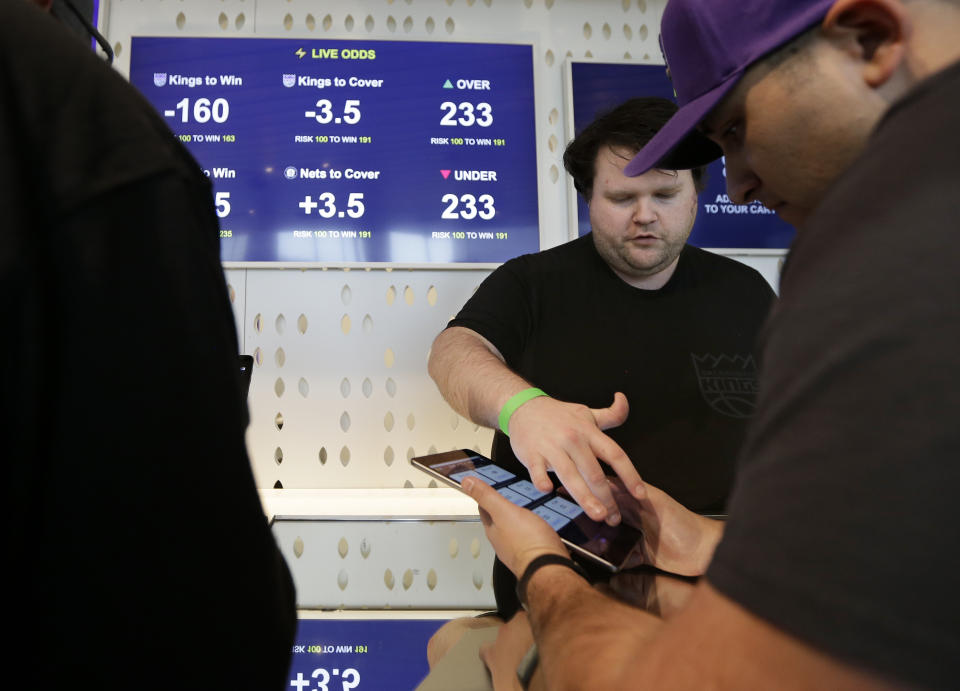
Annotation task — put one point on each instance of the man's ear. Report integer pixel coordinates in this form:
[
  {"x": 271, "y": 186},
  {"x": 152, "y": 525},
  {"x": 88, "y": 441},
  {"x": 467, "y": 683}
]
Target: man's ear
[{"x": 878, "y": 30}]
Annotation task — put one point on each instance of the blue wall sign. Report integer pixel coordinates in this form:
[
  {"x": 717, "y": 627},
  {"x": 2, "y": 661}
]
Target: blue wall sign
[
  {"x": 355, "y": 151},
  {"x": 361, "y": 654}
]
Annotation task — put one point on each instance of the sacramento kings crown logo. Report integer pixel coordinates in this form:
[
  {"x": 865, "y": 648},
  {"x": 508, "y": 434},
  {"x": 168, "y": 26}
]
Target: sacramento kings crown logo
[
  {"x": 728, "y": 384},
  {"x": 289, "y": 80},
  {"x": 160, "y": 78}
]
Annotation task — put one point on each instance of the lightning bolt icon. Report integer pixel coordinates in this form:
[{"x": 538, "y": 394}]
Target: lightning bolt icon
[{"x": 300, "y": 53}]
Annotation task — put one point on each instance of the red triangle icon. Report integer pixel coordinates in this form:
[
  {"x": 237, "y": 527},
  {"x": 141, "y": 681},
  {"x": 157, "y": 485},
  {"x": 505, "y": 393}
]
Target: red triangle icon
[{"x": 445, "y": 174}]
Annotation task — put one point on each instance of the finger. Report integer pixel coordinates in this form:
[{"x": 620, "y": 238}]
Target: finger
[
  {"x": 476, "y": 489},
  {"x": 636, "y": 557},
  {"x": 485, "y": 518},
  {"x": 631, "y": 510},
  {"x": 539, "y": 477},
  {"x": 613, "y": 416},
  {"x": 596, "y": 481},
  {"x": 604, "y": 448},
  {"x": 570, "y": 476},
  {"x": 616, "y": 486},
  {"x": 488, "y": 499}
]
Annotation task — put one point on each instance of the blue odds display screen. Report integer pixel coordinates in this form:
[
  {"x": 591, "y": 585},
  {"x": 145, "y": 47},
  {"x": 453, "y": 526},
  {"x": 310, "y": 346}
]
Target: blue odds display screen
[
  {"x": 374, "y": 654},
  {"x": 598, "y": 86},
  {"x": 355, "y": 151}
]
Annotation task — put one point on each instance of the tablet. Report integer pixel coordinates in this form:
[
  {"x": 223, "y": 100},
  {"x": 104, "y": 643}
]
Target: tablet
[{"x": 608, "y": 546}]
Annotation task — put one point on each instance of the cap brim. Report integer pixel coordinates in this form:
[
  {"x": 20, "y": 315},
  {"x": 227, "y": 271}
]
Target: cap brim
[{"x": 679, "y": 145}]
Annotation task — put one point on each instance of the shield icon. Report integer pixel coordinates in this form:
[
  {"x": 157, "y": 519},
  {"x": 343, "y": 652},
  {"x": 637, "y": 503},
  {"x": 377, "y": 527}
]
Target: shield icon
[
  {"x": 289, "y": 80},
  {"x": 728, "y": 383},
  {"x": 160, "y": 78}
]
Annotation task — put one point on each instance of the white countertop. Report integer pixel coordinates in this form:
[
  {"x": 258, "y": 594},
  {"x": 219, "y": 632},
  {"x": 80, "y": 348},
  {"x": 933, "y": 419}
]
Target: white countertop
[{"x": 399, "y": 503}]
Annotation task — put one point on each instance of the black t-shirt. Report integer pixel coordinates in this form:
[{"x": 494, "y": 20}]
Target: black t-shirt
[
  {"x": 683, "y": 355},
  {"x": 843, "y": 523},
  {"x": 138, "y": 554}
]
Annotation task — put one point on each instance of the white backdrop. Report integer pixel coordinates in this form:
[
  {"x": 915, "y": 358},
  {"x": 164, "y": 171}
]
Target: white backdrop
[{"x": 340, "y": 396}]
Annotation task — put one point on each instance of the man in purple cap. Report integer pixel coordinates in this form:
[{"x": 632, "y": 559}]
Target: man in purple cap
[{"x": 837, "y": 566}]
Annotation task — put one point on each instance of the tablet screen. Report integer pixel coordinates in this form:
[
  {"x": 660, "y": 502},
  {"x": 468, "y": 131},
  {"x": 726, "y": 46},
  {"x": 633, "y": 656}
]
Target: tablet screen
[{"x": 609, "y": 545}]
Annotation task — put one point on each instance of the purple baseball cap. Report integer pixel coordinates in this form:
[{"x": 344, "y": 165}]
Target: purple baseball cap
[{"x": 708, "y": 45}]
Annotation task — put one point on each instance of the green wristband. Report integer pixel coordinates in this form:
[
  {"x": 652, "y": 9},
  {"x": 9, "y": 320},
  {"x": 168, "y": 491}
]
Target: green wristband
[{"x": 510, "y": 407}]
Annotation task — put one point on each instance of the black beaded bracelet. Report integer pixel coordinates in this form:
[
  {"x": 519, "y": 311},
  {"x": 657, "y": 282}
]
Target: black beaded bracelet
[{"x": 540, "y": 562}]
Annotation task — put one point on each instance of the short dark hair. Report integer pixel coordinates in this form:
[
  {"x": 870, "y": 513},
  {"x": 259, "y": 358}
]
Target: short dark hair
[
  {"x": 629, "y": 126},
  {"x": 797, "y": 45}
]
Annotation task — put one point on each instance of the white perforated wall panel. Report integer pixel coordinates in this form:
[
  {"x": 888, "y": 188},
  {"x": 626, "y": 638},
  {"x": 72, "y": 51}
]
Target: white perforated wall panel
[
  {"x": 341, "y": 397},
  {"x": 370, "y": 564}
]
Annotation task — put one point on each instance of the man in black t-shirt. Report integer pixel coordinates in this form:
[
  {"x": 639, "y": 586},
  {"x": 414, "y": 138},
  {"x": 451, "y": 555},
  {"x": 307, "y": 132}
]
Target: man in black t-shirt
[
  {"x": 837, "y": 567},
  {"x": 629, "y": 310},
  {"x": 137, "y": 551}
]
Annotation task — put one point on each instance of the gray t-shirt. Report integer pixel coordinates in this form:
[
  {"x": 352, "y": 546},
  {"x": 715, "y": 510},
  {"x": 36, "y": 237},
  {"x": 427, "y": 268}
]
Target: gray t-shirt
[{"x": 843, "y": 527}]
